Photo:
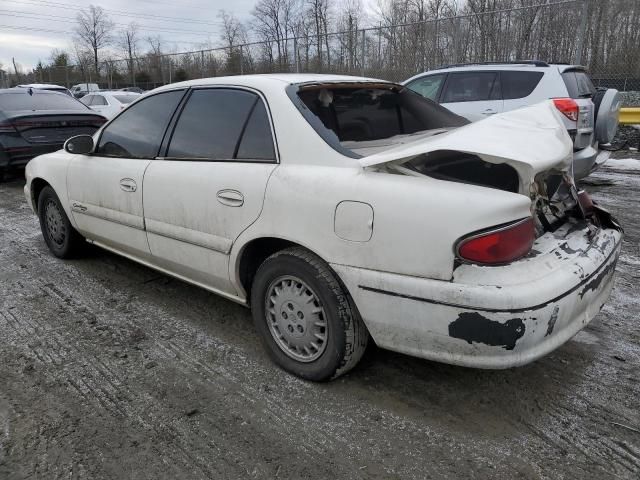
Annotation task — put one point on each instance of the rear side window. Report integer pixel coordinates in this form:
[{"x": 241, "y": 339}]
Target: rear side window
[
  {"x": 39, "y": 100},
  {"x": 578, "y": 84},
  {"x": 137, "y": 132},
  {"x": 212, "y": 123},
  {"x": 519, "y": 84},
  {"x": 257, "y": 142},
  {"x": 471, "y": 87},
  {"x": 429, "y": 87}
]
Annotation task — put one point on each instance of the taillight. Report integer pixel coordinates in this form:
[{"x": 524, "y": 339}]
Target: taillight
[
  {"x": 7, "y": 128},
  {"x": 568, "y": 107},
  {"x": 500, "y": 245}
]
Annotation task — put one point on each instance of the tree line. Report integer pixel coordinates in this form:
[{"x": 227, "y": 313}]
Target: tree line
[{"x": 395, "y": 40}]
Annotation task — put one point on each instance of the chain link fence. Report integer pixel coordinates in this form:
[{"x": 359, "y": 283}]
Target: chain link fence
[{"x": 563, "y": 32}]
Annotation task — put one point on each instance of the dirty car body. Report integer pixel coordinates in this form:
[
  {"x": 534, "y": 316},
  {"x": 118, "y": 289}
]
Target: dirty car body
[{"x": 462, "y": 243}]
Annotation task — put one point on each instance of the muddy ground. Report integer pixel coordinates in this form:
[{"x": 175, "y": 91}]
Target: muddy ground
[{"x": 110, "y": 370}]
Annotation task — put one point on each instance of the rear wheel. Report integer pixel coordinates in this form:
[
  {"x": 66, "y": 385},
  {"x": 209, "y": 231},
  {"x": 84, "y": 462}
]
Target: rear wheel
[
  {"x": 62, "y": 239},
  {"x": 305, "y": 317}
]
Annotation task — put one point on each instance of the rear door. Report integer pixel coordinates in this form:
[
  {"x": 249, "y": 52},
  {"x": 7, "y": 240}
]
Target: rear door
[
  {"x": 474, "y": 94},
  {"x": 211, "y": 183},
  {"x": 105, "y": 188}
]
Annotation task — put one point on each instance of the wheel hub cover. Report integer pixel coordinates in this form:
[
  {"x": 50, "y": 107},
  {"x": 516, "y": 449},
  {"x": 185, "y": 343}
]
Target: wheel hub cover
[{"x": 296, "y": 319}]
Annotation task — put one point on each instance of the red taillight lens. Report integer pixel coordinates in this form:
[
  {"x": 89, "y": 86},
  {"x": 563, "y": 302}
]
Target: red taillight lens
[
  {"x": 568, "y": 107},
  {"x": 499, "y": 246}
]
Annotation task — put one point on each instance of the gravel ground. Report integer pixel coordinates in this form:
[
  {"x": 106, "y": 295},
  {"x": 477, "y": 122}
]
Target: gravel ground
[{"x": 111, "y": 370}]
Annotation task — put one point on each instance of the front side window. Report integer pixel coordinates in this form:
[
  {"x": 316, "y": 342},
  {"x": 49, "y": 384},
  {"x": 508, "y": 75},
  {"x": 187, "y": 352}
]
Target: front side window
[
  {"x": 138, "y": 131},
  {"x": 428, "y": 87},
  {"x": 87, "y": 99},
  {"x": 222, "y": 124},
  {"x": 470, "y": 87}
]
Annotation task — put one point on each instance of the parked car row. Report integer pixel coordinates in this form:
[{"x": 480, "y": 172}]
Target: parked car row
[
  {"x": 37, "y": 121},
  {"x": 343, "y": 210}
]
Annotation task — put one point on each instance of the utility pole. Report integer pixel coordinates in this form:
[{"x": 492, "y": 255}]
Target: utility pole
[{"x": 582, "y": 32}]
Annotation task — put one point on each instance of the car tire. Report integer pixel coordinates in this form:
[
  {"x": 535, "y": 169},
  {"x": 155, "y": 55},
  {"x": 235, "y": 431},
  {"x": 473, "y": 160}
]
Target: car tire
[
  {"x": 62, "y": 239},
  {"x": 298, "y": 301}
]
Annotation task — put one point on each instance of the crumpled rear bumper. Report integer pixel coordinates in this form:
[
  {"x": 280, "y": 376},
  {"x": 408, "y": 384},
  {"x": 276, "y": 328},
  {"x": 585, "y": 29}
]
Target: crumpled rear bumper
[{"x": 493, "y": 317}]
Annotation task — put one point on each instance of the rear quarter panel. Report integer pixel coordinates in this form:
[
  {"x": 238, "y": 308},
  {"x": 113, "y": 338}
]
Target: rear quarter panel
[{"x": 416, "y": 219}]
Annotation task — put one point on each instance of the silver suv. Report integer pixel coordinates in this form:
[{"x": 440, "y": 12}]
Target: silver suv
[{"x": 475, "y": 91}]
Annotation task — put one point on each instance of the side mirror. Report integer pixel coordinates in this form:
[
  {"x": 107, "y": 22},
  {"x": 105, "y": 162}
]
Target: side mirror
[{"x": 80, "y": 144}]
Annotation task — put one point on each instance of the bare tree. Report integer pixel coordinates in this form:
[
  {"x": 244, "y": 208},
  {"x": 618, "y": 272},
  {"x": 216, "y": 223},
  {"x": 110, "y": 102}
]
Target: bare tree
[
  {"x": 128, "y": 42},
  {"x": 94, "y": 31}
]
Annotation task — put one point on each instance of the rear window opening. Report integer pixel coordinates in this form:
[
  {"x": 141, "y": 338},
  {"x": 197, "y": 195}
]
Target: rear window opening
[
  {"x": 466, "y": 168},
  {"x": 364, "y": 118}
]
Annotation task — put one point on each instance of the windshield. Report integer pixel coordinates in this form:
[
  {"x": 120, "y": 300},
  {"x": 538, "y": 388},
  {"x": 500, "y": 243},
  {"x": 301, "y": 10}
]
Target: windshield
[
  {"x": 354, "y": 113},
  {"x": 39, "y": 100}
]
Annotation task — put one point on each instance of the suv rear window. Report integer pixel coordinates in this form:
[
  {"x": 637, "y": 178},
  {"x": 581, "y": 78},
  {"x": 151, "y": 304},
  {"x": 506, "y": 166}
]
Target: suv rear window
[
  {"x": 578, "y": 84},
  {"x": 40, "y": 100},
  {"x": 519, "y": 84},
  {"x": 365, "y": 112}
]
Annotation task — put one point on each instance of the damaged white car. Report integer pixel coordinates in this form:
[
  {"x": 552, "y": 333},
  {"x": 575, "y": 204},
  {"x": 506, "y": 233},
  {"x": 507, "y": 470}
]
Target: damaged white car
[{"x": 342, "y": 209}]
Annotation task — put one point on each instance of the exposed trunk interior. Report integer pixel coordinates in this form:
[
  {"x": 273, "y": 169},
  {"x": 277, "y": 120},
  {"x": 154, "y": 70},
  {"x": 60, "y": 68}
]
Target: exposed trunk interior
[{"x": 466, "y": 168}]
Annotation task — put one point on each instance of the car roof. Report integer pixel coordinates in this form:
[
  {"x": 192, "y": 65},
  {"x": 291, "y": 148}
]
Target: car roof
[
  {"x": 41, "y": 86},
  {"x": 260, "y": 80},
  {"x": 479, "y": 67},
  {"x": 34, "y": 91}
]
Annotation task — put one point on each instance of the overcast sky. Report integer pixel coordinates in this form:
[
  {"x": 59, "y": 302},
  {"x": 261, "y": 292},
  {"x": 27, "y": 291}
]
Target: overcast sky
[{"x": 30, "y": 29}]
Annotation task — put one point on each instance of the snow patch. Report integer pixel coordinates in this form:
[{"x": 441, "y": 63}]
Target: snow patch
[{"x": 623, "y": 163}]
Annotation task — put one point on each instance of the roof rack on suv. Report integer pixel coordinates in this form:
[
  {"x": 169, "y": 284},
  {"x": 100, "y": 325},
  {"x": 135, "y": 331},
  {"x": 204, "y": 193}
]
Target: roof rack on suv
[{"x": 536, "y": 63}]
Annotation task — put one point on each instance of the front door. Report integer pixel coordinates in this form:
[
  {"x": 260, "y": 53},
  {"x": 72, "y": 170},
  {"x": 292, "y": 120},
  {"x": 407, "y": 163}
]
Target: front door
[
  {"x": 210, "y": 185},
  {"x": 105, "y": 188}
]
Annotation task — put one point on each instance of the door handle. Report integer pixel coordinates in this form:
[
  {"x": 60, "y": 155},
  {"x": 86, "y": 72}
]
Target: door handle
[
  {"x": 489, "y": 111},
  {"x": 231, "y": 198},
  {"x": 128, "y": 185}
]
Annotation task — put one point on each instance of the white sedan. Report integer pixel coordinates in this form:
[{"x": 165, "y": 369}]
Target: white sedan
[
  {"x": 342, "y": 209},
  {"x": 108, "y": 103}
]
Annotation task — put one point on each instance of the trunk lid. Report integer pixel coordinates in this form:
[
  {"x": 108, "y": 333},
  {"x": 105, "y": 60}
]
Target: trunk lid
[
  {"x": 531, "y": 140},
  {"x": 53, "y": 127}
]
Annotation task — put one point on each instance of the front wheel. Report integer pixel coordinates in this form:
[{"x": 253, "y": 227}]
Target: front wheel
[
  {"x": 62, "y": 239},
  {"x": 305, "y": 317}
]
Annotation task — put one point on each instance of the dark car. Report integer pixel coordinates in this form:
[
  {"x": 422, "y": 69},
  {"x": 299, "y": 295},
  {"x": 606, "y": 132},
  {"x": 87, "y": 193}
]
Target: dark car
[{"x": 33, "y": 122}]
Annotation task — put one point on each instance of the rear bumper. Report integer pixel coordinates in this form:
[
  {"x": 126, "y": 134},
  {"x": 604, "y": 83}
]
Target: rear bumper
[
  {"x": 587, "y": 160},
  {"x": 16, "y": 157},
  {"x": 492, "y": 317}
]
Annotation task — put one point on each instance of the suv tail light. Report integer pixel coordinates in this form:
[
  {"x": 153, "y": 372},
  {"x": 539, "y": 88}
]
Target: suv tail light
[
  {"x": 568, "y": 107},
  {"x": 499, "y": 245}
]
